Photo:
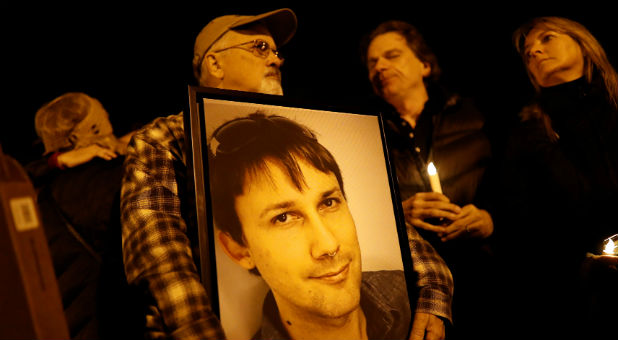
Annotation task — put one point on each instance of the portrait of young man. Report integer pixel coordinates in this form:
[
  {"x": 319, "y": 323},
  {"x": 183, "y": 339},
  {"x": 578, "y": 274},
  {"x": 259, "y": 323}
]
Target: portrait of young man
[{"x": 282, "y": 213}]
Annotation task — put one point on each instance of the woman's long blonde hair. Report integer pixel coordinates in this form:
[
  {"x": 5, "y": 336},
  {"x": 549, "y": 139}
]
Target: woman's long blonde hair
[
  {"x": 595, "y": 59},
  {"x": 596, "y": 62}
]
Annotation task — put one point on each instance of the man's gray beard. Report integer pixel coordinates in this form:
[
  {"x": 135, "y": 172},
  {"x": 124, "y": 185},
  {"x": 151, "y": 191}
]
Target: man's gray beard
[{"x": 271, "y": 85}]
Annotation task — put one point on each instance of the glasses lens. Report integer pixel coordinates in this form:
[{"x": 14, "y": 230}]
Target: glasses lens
[{"x": 261, "y": 48}]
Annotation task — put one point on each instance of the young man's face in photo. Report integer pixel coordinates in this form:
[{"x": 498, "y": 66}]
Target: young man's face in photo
[{"x": 304, "y": 243}]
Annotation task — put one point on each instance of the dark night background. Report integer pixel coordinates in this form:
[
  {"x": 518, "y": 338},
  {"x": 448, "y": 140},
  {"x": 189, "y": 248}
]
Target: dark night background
[{"x": 137, "y": 59}]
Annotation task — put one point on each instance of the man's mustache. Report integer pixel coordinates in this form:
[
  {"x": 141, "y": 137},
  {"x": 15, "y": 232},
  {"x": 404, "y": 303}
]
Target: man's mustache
[{"x": 274, "y": 73}]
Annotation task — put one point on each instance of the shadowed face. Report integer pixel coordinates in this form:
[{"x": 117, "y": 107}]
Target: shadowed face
[
  {"x": 393, "y": 67},
  {"x": 94, "y": 129},
  {"x": 552, "y": 58},
  {"x": 303, "y": 243}
]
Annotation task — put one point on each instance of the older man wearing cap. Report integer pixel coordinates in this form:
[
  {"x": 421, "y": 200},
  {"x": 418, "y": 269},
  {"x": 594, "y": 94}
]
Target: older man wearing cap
[
  {"x": 231, "y": 52},
  {"x": 216, "y": 63}
]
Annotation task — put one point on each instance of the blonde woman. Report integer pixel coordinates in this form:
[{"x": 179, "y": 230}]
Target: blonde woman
[{"x": 561, "y": 179}]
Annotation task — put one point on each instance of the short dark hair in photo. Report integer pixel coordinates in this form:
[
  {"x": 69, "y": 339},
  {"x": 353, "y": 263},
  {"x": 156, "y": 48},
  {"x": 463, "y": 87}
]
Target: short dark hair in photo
[{"x": 239, "y": 151}]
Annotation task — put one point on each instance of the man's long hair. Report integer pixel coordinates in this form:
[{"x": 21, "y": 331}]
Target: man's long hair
[{"x": 414, "y": 40}]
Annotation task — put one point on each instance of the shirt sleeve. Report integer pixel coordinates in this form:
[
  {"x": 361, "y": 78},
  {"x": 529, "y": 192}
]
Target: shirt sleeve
[
  {"x": 435, "y": 280},
  {"x": 156, "y": 249}
]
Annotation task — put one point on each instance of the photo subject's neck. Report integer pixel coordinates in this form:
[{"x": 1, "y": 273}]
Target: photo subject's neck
[{"x": 350, "y": 326}]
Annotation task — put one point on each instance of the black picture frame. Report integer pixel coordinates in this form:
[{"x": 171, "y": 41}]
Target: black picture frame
[{"x": 354, "y": 136}]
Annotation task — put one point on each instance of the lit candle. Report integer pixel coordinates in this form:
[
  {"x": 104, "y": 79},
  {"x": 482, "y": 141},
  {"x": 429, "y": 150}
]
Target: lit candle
[
  {"x": 609, "y": 246},
  {"x": 434, "y": 179}
]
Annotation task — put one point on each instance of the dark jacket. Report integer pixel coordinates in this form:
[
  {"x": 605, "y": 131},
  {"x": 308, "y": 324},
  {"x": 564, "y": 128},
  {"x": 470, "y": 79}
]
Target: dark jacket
[
  {"x": 449, "y": 132},
  {"x": 560, "y": 185},
  {"x": 560, "y": 189},
  {"x": 80, "y": 214}
]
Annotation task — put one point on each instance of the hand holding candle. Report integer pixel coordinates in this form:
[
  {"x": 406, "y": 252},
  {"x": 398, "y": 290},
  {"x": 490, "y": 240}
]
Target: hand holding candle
[
  {"x": 434, "y": 179},
  {"x": 609, "y": 254}
]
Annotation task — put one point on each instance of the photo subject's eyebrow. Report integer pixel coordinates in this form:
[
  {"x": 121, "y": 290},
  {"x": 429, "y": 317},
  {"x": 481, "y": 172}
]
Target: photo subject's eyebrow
[
  {"x": 288, "y": 204},
  {"x": 276, "y": 206},
  {"x": 328, "y": 193}
]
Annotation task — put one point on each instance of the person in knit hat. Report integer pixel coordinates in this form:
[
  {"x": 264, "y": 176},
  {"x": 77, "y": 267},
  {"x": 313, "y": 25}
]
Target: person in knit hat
[{"x": 75, "y": 128}]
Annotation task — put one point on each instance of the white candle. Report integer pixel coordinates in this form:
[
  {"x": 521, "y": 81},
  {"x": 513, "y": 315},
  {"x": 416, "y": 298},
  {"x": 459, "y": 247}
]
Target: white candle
[
  {"x": 434, "y": 179},
  {"x": 610, "y": 247}
]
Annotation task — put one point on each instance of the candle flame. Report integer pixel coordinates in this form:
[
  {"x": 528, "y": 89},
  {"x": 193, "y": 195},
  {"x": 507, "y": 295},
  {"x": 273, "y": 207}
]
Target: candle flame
[
  {"x": 610, "y": 247},
  {"x": 431, "y": 169}
]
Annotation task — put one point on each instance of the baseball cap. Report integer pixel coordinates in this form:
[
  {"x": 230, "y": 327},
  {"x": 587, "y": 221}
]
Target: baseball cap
[{"x": 281, "y": 23}]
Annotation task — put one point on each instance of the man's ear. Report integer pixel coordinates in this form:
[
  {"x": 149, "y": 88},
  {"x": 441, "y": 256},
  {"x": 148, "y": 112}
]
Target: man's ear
[
  {"x": 237, "y": 252},
  {"x": 213, "y": 66},
  {"x": 426, "y": 69}
]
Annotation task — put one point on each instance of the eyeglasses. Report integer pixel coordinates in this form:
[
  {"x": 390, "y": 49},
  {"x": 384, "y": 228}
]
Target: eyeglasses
[{"x": 259, "y": 48}]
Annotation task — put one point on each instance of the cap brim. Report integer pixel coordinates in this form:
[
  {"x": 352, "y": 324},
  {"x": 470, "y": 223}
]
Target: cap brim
[{"x": 281, "y": 23}]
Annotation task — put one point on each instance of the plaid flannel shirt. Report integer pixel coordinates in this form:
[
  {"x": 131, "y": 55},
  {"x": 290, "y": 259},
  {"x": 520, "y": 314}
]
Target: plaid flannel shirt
[{"x": 158, "y": 254}]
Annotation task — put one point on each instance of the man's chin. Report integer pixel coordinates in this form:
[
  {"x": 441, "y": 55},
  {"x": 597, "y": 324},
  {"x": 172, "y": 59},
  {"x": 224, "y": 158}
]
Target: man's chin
[
  {"x": 340, "y": 307},
  {"x": 271, "y": 86}
]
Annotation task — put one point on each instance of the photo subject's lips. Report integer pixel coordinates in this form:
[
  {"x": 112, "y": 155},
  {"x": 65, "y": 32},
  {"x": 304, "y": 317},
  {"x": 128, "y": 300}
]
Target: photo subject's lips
[{"x": 334, "y": 277}]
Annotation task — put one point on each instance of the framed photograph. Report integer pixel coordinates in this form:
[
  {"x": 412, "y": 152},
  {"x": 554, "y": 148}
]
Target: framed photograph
[{"x": 328, "y": 242}]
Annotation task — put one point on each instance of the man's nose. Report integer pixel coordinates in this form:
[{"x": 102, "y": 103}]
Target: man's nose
[
  {"x": 376, "y": 69},
  {"x": 381, "y": 64},
  {"x": 274, "y": 59},
  {"x": 323, "y": 241}
]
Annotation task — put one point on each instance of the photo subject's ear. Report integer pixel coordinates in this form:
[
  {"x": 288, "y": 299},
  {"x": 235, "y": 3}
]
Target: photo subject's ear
[{"x": 237, "y": 252}]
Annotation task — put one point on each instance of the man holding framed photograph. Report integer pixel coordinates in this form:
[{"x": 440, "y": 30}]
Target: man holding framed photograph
[{"x": 236, "y": 52}]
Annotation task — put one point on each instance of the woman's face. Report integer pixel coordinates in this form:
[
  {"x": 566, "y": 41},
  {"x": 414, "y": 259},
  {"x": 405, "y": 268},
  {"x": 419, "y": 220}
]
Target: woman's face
[{"x": 551, "y": 57}]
